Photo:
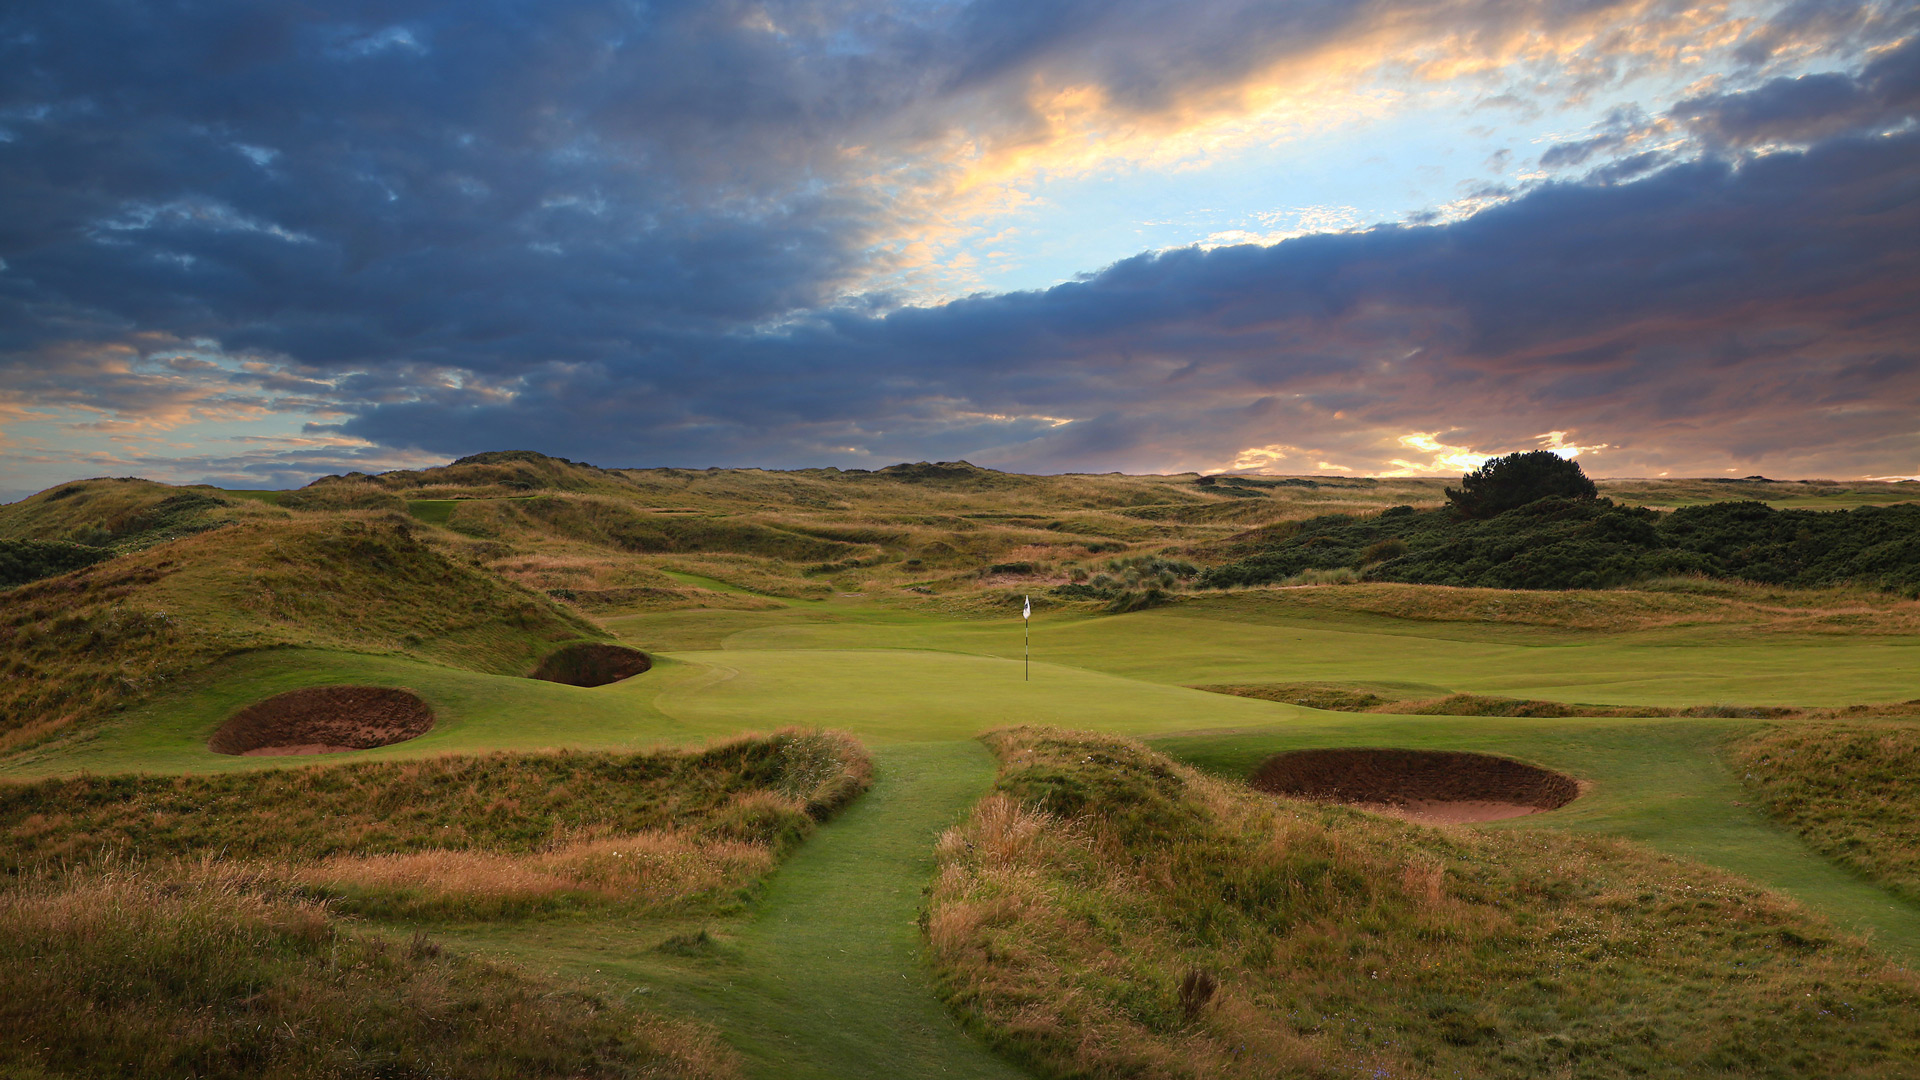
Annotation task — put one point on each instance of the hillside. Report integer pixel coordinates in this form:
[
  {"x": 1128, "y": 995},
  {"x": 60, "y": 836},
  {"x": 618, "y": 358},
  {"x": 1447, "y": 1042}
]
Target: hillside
[
  {"x": 487, "y": 562},
  {"x": 1109, "y": 913},
  {"x": 1565, "y": 543},
  {"x": 74, "y": 646}
]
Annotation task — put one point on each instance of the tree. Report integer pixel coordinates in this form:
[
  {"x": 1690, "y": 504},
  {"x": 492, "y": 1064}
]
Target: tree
[{"x": 1516, "y": 480}]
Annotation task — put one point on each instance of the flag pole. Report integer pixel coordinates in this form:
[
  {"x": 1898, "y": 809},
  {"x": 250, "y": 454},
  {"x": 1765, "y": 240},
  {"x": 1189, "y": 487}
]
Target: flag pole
[{"x": 1026, "y": 622}]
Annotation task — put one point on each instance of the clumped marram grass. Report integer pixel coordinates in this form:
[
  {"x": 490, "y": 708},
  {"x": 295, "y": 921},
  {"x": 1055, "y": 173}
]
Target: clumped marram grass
[
  {"x": 1851, "y": 789},
  {"x": 74, "y": 647},
  {"x": 1107, "y": 913},
  {"x": 128, "y": 973},
  {"x": 466, "y": 836},
  {"x": 1375, "y": 698},
  {"x": 169, "y": 926}
]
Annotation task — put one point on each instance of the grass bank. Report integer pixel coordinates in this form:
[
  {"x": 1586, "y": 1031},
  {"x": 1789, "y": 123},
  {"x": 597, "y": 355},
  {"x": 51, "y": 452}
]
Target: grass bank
[
  {"x": 1110, "y": 913},
  {"x": 824, "y": 977},
  {"x": 124, "y": 973},
  {"x": 75, "y": 647},
  {"x": 465, "y": 836},
  {"x": 1851, "y": 790}
]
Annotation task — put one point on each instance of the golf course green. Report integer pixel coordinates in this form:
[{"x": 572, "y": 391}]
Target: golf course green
[
  {"x": 887, "y": 605},
  {"x": 822, "y": 975}
]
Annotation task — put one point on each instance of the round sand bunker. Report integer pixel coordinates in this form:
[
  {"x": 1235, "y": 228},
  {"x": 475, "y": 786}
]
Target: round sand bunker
[
  {"x": 324, "y": 720},
  {"x": 1420, "y": 785},
  {"x": 592, "y": 663}
]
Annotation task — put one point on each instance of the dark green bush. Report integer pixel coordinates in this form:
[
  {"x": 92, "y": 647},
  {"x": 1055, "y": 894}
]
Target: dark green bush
[
  {"x": 1576, "y": 543},
  {"x": 22, "y": 561},
  {"x": 1515, "y": 480}
]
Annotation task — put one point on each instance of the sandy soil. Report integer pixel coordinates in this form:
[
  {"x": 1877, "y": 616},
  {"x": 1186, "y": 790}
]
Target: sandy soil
[
  {"x": 1449, "y": 812},
  {"x": 1432, "y": 786},
  {"x": 324, "y": 720},
  {"x": 592, "y": 664}
]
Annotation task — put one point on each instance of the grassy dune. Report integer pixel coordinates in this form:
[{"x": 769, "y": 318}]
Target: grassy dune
[
  {"x": 1851, "y": 789},
  {"x": 470, "y": 837},
  {"x": 78, "y": 645},
  {"x": 156, "y": 926},
  {"x": 123, "y": 513},
  {"x": 118, "y": 973},
  {"x": 1109, "y": 913},
  {"x": 885, "y": 604}
]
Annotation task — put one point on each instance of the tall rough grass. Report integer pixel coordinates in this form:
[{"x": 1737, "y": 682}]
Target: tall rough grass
[
  {"x": 1851, "y": 789},
  {"x": 466, "y": 836},
  {"x": 1674, "y": 603},
  {"x": 74, "y": 647},
  {"x": 1338, "y": 698},
  {"x": 126, "y": 973},
  {"x": 1107, "y": 913}
]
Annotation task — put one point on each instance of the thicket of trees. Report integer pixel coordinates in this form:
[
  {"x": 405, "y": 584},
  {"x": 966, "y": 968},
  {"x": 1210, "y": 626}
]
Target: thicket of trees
[{"x": 1579, "y": 541}]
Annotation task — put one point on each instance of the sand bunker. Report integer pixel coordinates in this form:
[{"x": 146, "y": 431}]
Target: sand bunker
[
  {"x": 592, "y": 664},
  {"x": 1419, "y": 785},
  {"x": 324, "y": 720}
]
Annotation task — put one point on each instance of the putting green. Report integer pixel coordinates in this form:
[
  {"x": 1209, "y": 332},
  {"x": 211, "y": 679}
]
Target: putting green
[
  {"x": 1199, "y": 643},
  {"x": 901, "y": 695}
]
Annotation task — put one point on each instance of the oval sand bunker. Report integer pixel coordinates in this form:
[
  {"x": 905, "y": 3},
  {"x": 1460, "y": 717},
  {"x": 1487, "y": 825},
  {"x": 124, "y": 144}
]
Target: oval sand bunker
[
  {"x": 324, "y": 720},
  {"x": 1419, "y": 785},
  {"x": 592, "y": 663}
]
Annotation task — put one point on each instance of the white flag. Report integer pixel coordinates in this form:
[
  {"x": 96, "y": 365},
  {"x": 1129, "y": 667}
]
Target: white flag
[{"x": 1026, "y": 612}]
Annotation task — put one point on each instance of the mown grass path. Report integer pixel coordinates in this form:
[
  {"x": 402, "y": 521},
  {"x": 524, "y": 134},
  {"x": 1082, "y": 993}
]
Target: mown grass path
[
  {"x": 831, "y": 979},
  {"x": 825, "y": 977}
]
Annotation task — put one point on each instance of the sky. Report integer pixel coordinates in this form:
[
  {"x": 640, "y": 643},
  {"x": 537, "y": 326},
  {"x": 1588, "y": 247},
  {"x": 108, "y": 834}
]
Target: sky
[{"x": 255, "y": 243}]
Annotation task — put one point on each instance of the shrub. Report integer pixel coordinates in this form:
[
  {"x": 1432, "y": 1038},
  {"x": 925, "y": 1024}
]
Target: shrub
[
  {"x": 1382, "y": 550},
  {"x": 22, "y": 561},
  {"x": 1571, "y": 543},
  {"x": 1504, "y": 483}
]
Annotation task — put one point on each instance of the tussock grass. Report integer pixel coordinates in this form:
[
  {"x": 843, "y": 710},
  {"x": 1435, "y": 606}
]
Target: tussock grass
[
  {"x": 1851, "y": 789},
  {"x": 74, "y": 647},
  {"x": 1339, "y": 698},
  {"x": 654, "y": 871},
  {"x": 1675, "y": 603},
  {"x": 469, "y": 836},
  {"x": 119, "y": 972},
  {"x": 124, "y": 514},
  {"x": 1083, "y": 911},
  {"x": 1386, "y": 698}
]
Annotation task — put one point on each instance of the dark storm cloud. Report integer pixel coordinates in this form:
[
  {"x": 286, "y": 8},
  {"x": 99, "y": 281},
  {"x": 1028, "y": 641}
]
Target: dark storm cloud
[
  {"x": 1882, "y": 96},
  {"x": 1765, "y": 307},
  {"x": 624, "y": 232},
  {"x": 375, "y": 182}
]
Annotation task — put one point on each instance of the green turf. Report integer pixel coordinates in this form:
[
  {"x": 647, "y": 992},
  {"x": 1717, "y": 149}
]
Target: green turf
[
  {"x": 1215, "y": 641},
  {"x": 432, "y": 511},
  {"x": 472, "y": 712},
  {"x": 1663, "y": 783},
  {"x": 825, "y": 980}
]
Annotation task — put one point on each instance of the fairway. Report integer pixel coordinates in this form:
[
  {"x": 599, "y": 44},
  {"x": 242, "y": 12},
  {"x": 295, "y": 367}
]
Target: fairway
[{"x": 823, "y": 976}]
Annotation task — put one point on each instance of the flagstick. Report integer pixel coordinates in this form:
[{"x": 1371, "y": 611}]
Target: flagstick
[{"x": 1026, "y": 623}]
